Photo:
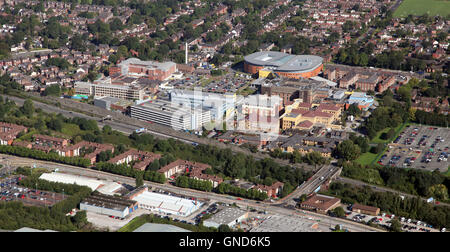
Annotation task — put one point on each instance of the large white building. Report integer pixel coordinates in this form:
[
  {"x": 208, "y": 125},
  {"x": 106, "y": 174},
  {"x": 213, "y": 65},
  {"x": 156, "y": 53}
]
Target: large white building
[
  {"x": 260, "y": 113},
  {"x": 108, "y": 205},
  {"x": 106, "y": 88},
  {"x": 167, "y": 114},
  {"x": 228, "y": 216},
  {"x": 222, "y": 106},
  {"x": 105, "y": 187},
  {"x": 166, "y": 204}
]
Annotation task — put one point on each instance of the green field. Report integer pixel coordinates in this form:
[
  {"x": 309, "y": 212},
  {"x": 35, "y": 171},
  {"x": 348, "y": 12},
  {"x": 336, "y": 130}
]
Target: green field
[
  {"x": 397, "y": 129},
  {"x": 366, "y": 158},
  {"x": 420, "y": 7}
]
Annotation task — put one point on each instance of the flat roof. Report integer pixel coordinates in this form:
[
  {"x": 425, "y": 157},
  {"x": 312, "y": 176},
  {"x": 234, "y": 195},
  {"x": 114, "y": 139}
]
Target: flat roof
[
  {"x": 284, "y": 62},
  {"x": 161, "y": 105},
  {"x": 148, "y": 64},
  {"x": 279, "y": 223},
  {"x": 72, "y": 179},
  {"x": 167, "y": 203},
  {"x": 107, "y": 201},
  {"x": 226, "y": 215}
]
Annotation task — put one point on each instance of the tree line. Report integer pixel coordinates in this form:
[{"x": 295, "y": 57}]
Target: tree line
[{"x": 414, "y": 208}]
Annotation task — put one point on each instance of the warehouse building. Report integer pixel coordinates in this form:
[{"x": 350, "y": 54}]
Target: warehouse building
[
  {"x": 284, "y": 223},
  {"x": 163, "y": 203},
  {"x": 105, "y": 187},
  {"x": 168, "y": 114},
  {"x": 228, "y": 216},
  {"x": 109, "y": 205}
]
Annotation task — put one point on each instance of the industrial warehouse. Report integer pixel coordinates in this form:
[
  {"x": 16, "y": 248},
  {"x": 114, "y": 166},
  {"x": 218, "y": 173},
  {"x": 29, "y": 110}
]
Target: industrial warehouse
[
  {"x": 164, "y": 203},
  {"x": 282, "y": 64},
  {"x": 114, "y": 206},
  {"x": 105, "y": 187}
]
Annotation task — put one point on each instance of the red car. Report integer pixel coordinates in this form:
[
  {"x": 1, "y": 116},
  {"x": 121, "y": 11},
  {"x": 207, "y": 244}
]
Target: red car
[{"x": 239, "y": 199}]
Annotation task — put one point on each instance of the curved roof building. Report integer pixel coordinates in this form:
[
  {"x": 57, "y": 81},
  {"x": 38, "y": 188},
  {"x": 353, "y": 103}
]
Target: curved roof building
[{"x": 287, "y": 65}]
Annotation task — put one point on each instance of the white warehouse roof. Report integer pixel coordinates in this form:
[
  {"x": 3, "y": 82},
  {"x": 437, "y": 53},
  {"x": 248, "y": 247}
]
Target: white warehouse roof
[
  {"x": 167, "y": 204},
  {"x": 102, "y": 186}
]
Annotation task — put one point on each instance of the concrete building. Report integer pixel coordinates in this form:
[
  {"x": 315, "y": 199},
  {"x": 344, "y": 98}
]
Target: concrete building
[
  {"x": 163, "y": 203},
  {"x": 320, "y": 203},
  {"x": 106, "y": 88},
  {"x": 149, "y": 69},
  {"x": 222, "y": 106},
  {"x": 167, "y": 114},
  {"x": 108, "y": 205},
  {"x": 260, "y": 113},
  {"x": 229, "y": 216},
  {"x": 111, "y": 103}
]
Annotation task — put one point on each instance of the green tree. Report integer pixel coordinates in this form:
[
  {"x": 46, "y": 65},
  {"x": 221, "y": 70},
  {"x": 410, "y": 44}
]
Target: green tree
[
  {"x": 339, "y": 211},
  {"x": 348, "y": 150},
  {"x": 438, "y": 191},
  {"x": 28, "y": 108},
  {"x": 139, "y": 179},
  {"x": 396, "y": 226}
]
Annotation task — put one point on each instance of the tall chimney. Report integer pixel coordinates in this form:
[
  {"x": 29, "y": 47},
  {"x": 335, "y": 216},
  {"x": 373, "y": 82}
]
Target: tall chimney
[{"x": 186, "y": 48}]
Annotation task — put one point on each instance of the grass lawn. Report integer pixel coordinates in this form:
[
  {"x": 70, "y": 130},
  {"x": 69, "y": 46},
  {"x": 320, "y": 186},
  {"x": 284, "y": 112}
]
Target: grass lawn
[
  {"x": 366, "y": 158},
  {"x": 420, "y": 7},
  {"x": 71, "y": 129},
  {"x": 116, "y": 139},
  {"x": 448, "y": 172},
  {"x": 398, "y": 129},
  {"x": 28, "y": 136},
  {"x": 134, "y": 224}
]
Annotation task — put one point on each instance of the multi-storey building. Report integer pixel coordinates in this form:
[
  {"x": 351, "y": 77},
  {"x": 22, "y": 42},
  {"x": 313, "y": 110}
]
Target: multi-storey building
[{"x": 168, "y": 114}]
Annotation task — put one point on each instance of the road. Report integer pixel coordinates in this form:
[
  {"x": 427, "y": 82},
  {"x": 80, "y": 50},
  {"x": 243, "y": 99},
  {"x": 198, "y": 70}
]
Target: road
[
  {"x": 313, "y": 183},
  {"x": 323, "y": 220}
]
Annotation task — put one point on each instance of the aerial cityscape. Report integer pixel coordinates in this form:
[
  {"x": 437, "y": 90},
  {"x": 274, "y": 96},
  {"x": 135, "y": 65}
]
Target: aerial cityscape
[{"x": 236, "y": 116}]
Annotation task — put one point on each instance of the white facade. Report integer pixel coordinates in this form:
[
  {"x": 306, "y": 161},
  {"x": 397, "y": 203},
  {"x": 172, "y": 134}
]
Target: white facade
[
  {"x": 229, "y": 216},
  {"x": 122, "y": 213},
  {"x": 166, "y": 204},
  {"x": 165, "y": 113},
  {"x": 71, "y": 179}
]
